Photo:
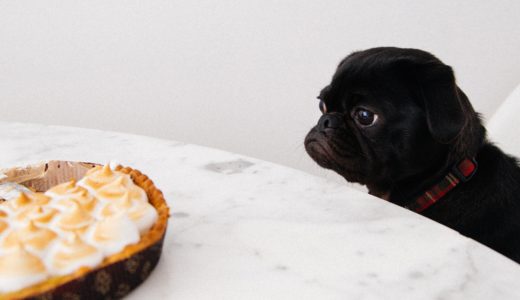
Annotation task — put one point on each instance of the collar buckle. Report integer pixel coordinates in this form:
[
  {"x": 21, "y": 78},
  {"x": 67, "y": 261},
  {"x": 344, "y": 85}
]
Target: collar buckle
[{"x": 465, "y": 169}]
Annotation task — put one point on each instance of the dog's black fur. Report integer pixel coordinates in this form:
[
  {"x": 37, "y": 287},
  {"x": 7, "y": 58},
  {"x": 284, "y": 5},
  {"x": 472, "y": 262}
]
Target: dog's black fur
[{"x": 425, "y": 125}]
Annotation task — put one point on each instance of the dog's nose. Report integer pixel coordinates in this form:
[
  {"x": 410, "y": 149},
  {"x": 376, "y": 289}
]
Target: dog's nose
[{"x": 329, "y": 121}]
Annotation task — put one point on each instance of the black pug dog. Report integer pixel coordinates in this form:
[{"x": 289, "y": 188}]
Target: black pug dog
[{"x": 395, "y": 120}]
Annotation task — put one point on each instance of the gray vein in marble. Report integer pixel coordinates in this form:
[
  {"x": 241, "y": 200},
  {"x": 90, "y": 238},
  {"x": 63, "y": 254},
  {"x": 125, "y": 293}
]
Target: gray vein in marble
[{"x": 229, "y": 167}]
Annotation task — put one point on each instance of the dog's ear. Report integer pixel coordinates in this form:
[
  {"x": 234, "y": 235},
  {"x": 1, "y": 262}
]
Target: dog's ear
[{"x": 444, "y": 108}]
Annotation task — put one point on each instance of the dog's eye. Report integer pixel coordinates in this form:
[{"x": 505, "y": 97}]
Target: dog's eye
[
  {"x": 323, "y": 107},
  {"x": 364, "y": 117}
]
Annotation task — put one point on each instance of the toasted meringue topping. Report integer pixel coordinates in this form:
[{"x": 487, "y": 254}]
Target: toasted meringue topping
[
  {"x": 65, "y": 192},
  {"x": 98, "y": 177},
  {"x": 119, "y": 188},
  {"x": 72, "y": 253},
  {"x": 86, "y": 201},
  {"x": 141, "y": 213},
  {"x": 72, "y": 225},
  {"x": 114, "y": 190},
  {"x": 19, "y": 268},
  {"x": 39, "y": 198},
  {"x": 11, "y": 190},
  {"x": 67, "y": 188},
  {"x": 3, "y": 226},
  {"x": 114, "y": 233},
  {"x": 32, "y": 236},
  {"x": 21, "y": 202},
  {"x": 75, "y": 218},
  {"x": 144, "y": 216},
  {"x": 39, "y": 214}
]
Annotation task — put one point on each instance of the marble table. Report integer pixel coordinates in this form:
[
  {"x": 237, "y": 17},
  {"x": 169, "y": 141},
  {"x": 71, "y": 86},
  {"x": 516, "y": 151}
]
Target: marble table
[{"x": 242, "y": 228}]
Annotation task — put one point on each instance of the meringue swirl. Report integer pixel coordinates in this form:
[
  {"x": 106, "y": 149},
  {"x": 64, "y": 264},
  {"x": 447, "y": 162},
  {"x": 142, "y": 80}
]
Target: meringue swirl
[
  {"x": 71, "y": 254},
  {"x": 19, "y": 268},
  {"x": 3, "y": 226},
  {"x": 98, "y": 177},
  {"x": 39, "y": 214},
  {"x": 31, "y": 236},
  {"x": 140, "y": 212},
  {"x": 114, "y": 233},
  {"x": 74, "y": 218}
]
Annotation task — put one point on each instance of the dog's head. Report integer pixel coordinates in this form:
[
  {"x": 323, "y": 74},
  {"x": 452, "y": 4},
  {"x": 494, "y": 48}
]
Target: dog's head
[{"x": 390, "y": 114}]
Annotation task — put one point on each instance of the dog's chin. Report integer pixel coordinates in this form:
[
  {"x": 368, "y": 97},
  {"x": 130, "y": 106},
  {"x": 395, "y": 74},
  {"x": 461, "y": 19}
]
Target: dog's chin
[{"x": 321, "y": 152}]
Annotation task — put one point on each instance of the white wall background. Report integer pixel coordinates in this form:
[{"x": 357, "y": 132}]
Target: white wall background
[{"x": 236, "y": 75}]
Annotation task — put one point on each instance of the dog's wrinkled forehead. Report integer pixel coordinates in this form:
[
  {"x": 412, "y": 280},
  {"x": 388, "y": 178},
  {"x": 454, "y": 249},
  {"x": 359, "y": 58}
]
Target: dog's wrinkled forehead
[
  {"x": 381, "y": 60},
  {"x": 390, "y": 69}
]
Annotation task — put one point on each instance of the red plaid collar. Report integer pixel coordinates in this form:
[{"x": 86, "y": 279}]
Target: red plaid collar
[{"x": 461, "y": 172}]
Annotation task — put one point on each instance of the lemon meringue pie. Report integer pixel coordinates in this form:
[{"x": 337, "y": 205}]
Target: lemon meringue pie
[{"x": 77, "y": 238}]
